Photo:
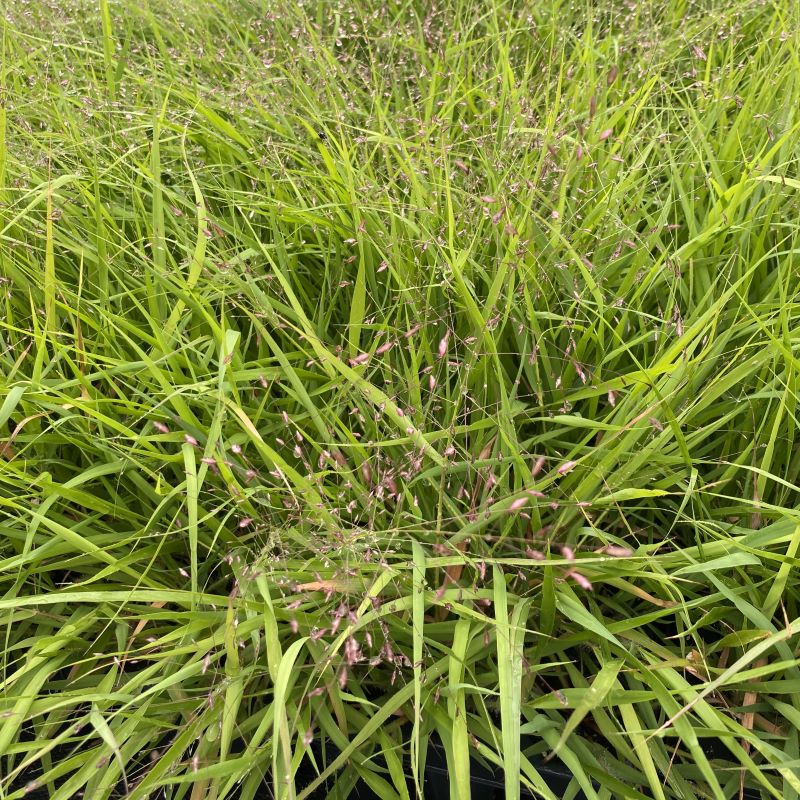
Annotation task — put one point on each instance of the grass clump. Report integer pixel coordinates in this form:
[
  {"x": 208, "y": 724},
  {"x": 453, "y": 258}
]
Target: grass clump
[{"x": 374, "y": 372}]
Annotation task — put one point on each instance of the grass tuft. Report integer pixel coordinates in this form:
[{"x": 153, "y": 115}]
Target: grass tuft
[{"x": 377, "y": 375}]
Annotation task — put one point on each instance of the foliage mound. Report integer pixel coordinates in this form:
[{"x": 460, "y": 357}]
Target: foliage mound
[{"x": 376, "y": 373}]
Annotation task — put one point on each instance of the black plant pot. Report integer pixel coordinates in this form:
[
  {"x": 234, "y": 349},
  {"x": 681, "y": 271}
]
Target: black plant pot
[{"x": 485, "y": 783}]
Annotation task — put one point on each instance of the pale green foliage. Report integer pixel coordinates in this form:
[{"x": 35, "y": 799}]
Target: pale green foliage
[{"x": 234, "y": 520}]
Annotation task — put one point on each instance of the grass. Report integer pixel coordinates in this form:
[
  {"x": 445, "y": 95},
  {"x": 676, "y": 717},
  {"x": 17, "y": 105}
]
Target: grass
[{"x": 381, "y": 372}]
